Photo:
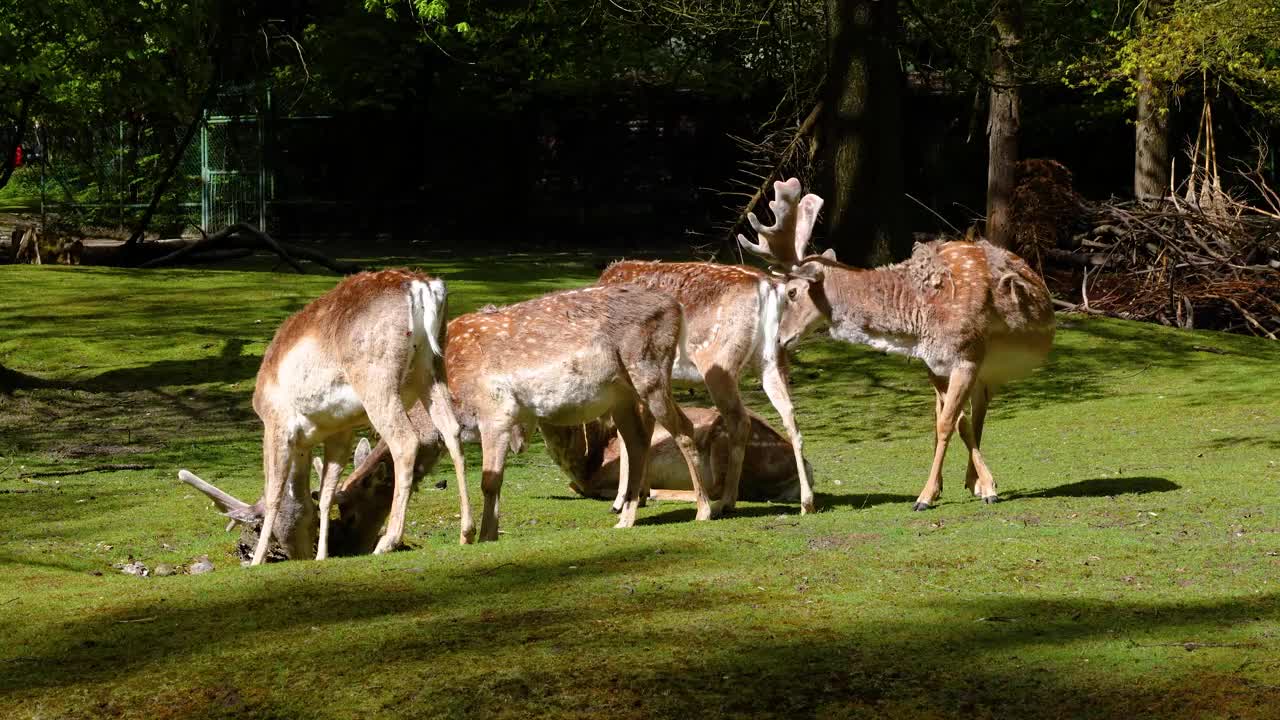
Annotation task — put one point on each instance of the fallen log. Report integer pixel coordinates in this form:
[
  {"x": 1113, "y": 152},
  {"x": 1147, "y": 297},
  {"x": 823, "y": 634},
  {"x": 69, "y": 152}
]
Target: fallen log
[{"x": 246, "y": 237}]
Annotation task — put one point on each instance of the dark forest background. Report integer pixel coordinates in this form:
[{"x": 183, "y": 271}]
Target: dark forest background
[{"x": 627, "y": 124}]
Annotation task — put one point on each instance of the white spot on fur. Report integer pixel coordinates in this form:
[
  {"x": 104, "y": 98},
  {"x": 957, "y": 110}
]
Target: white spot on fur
[{"x": 769, "y": 299}]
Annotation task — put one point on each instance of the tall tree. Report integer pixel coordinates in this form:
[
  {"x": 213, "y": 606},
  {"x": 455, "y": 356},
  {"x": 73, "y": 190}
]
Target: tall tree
[
  {"x": 1003, "y": 119},
  {"x": 1151, "y": 131},
  {"x": 862, "y": 133}
]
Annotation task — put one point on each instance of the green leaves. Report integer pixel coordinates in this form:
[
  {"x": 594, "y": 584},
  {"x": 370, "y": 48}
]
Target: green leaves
[{"x": 1235, "y": 41}]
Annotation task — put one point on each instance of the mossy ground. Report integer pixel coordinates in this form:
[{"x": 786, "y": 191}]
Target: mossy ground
[{"x": 1127, "y": 574}]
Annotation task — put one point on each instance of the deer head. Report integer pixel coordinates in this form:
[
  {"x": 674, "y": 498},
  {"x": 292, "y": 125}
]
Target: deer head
[{"x": 785, "y": 246}]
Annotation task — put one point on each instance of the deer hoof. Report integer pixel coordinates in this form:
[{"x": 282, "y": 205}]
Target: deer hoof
[
  {"x": 920, "y": 506},
  {"x": 442, "y": 484},
  {"x": 615, "y": 509},
  {"x": 991, "y": 499}
]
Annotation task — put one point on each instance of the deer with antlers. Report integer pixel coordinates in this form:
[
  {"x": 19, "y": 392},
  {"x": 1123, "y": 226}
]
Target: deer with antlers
[
  {"x": 976, "y": 314},
  {"x": 358, "y": 355},
  {"x": 740, "y": 317}
]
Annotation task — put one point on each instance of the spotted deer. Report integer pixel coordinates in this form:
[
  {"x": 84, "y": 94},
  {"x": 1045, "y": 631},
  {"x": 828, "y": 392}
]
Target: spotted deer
[
  {"x": 739, "y": 317},
  {"x": 358, "y": 355},
  {"x": 565, "y": 359},
  {"x": 977, "y": 315}
]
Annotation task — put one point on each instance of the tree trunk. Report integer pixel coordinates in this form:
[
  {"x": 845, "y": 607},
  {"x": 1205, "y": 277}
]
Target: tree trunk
[
  {"x": 1151, "y": 154},
  {"x": 863, "y": 133},
  {"x": 1003, "y": 121},
  {"x": 1151, "y": 134}
]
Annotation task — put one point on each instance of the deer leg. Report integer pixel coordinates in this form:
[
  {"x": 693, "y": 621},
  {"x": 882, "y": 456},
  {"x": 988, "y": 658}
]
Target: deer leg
[
  {"x": 957, "y": 389},
  {"x": 624, "y": 460},
  {"x": 299, "y": 535},
  {"x": 723, "y": 388},
  {"x": 642, "y": 497},
  {"x": 276, "y": 456},
  {"x": 636, "y": 432},
  {"x": 775, "y": 386},
  {"x": 664, "y": 409},
  {"x": 939, "y": 394},
  {"x": 391, "y": 421},
  {"x": 446, "y": 423},
  {"x": 978, "y": 477},
  {"x": 493, "y": 443},
  {"x": 336, "y": 450}
]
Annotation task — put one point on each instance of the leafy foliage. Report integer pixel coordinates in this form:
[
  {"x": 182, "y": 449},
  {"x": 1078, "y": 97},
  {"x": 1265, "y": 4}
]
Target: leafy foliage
[{"x": 1236, "y": 42}]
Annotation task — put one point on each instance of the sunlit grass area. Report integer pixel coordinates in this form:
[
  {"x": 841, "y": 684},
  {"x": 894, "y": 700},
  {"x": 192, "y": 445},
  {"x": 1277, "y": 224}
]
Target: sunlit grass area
[{"x": 1128, "y": 573}]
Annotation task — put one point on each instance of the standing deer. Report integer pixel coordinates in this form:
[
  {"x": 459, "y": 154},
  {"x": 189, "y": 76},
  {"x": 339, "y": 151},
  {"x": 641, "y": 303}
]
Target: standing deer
[
  {"x": 977, "y": 315},
  {"x": 565, "y": 359},
  {"x": 358, "y": 355},
  {"x": 738, "y": 317}
]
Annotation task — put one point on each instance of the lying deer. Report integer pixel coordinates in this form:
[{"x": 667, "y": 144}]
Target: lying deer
[
  {"x": 591, "y": 456},
  {"x": 739, "y": 317},
  {"x": 977, "y": 315},
  {"x": 358, "y": 355}
]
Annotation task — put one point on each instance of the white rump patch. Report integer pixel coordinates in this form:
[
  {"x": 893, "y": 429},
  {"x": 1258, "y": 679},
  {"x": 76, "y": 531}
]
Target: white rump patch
[{"x": 426, "y": 311}]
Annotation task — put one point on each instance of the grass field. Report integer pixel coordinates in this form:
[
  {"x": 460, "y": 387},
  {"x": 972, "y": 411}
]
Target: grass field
[{"x": 1128, "y": 573}]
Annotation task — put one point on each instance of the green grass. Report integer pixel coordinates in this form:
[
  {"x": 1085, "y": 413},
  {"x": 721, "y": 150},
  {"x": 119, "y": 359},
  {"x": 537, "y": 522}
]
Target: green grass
[{"x": 1140, "y": 472}]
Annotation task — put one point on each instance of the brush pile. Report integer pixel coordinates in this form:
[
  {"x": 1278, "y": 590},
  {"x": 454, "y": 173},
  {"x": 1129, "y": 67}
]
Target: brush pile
[
  {"x": 1206, "y": 259},
  {"x": 1177, "y": 265}
]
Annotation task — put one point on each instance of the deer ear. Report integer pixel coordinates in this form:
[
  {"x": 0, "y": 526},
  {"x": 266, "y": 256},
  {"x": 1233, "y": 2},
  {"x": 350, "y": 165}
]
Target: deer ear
[
  {"x": 811, "y": 272},
  {"x": 830, "y": 254},
  {"x": 362, "y": 451}
]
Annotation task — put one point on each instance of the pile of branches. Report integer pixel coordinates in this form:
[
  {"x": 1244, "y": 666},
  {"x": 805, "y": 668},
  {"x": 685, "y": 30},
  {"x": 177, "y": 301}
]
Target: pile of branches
[
  {"x": 1175, "y": 264},
  {"x": 1202, "y": 260}
]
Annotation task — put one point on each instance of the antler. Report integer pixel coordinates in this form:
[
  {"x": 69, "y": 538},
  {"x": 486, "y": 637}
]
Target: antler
[
  {"x": 787, "y": 240},
  {"x": 232, "y": 507}
]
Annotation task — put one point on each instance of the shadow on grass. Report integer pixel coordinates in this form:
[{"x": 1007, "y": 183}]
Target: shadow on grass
[
  {"x": 1269, "y": 442},
  {"x": 1098, "y": 487},
  {"x": 505, "y": 641}
]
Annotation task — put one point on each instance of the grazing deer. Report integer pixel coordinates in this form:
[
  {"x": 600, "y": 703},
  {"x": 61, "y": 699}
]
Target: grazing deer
[
  {"x": 977, "y": 315},
  {"x": 565, "y": 359},
  {"x": 738, "y": 317},
  {"x": 591, "y": 455},
  {"x": 358, "y": 355},
  {"x": 363, "y": 506}
]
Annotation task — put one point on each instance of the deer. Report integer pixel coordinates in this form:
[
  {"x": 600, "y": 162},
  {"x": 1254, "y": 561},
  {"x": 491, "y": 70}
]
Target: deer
[
  {"x": 557, "y": 362},
  {"x": 739, "y": 317},
  {"x": 359, "y": 355},
  {"x": 565, "y": 359},
  {"x": 977, "y": 315},
  {"x": 363, "y": 499},
  {"x": 590, "y": 456}
]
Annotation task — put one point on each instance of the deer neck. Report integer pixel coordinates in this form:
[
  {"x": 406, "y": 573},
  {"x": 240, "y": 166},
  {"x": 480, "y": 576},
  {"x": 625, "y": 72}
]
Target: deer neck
[{"x": 880, "y": 308}]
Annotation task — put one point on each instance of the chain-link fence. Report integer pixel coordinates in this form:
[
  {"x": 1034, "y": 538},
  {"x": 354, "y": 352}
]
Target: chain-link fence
[{"x": 102, "y": 176}]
